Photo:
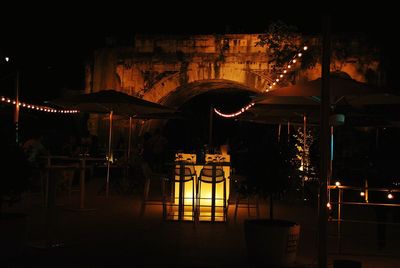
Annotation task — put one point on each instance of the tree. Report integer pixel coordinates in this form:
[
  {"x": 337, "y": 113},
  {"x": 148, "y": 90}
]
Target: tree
[{"x": 271, "y": 169}]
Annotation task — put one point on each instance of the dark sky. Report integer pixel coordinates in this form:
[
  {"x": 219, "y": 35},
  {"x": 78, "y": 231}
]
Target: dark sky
[{"x": 50, "y": 42}]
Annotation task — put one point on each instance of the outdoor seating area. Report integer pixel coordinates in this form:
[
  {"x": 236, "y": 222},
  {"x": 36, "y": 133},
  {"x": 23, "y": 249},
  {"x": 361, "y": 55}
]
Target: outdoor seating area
[{"x": 223, "y": 149}]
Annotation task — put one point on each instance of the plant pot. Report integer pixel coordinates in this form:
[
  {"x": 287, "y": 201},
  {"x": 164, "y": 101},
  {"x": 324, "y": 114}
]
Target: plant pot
[
  {"x": 272, "y": 243},
  {"x": 13, "y": 234}
]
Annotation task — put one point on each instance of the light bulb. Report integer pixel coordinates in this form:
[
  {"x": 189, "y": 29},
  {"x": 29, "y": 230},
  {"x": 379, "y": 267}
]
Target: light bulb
[{"x": 337, "y": 183}]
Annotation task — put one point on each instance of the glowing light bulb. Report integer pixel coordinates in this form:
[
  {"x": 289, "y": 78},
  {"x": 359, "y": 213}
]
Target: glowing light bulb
[
  {"x": 337, "y": 183},
  {"x": 328, "y": 205},
  {"x": 277, "y": 80},
  {"x": 362, "y": 193},
  {"x": 284, "y": 71},
  {"x": 294, "y": 61},
  {"x": 281, "y": 76},
  {"x": 289, "y": 66},
  {"x": 300, "y": 54},
  {"x": 390, "y": 196},
  {"x": 305, "y": 48}
]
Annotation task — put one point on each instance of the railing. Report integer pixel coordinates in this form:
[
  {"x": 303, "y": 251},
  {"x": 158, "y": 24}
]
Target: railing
[{"x": 364, "y": 193}]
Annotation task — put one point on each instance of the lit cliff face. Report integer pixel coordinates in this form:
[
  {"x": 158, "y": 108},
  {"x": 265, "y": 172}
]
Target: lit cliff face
[
  {"x": 173, "y": 69},
  {"x": 156, "y": 66}
]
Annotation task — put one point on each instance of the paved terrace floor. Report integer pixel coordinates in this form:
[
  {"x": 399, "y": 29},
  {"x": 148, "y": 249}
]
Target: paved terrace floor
[{"x": 114, "y": 235}]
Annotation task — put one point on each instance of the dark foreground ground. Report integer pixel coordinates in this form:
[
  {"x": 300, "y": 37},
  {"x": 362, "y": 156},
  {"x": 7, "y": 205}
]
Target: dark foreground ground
[{"x": 114, "y": 235}]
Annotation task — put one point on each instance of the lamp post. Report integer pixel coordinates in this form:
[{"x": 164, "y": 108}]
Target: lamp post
[
  {"x": 9, "y": 62},
  {"x": 325, "y": 135},
  {"x": 16, "y": 112}
]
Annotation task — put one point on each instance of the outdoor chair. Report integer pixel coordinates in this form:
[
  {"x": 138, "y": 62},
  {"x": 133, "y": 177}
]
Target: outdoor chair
[
  {"x": 212, "y": 176},
  {"x": 245, "y": 196},
  {"x": 180, "y": 198},
  {"x": 153, "y": 188}
]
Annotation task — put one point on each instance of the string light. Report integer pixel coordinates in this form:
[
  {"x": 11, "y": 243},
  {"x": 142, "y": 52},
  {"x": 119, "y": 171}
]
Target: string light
[
  {"x": 390, "y": 195},
  {"x": 242, "y": 110},
  {"x": 36, "y": 107},
  {"x": 269, "y": 87},
  {"x": 362, "y": 193}
]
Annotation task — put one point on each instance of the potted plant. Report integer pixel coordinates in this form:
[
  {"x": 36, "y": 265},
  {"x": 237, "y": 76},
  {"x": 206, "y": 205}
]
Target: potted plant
[
  {"x": 14, "y": 181},
  {"x": 272, "y": 242}
]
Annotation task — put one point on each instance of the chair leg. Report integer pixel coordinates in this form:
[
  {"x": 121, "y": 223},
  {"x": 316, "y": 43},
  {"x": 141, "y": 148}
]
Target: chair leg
[
  {"x": 257, "y": 207},
  {"x": 236, "y": 207},
  {"x": 145, "y": 196},
  {"x": 198, "y": 203},
  {"x": 224, "y": 203}
]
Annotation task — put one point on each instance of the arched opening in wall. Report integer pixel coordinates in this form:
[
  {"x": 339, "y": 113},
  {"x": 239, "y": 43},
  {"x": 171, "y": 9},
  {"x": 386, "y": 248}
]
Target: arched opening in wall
[{"x": 193, "y": 132}]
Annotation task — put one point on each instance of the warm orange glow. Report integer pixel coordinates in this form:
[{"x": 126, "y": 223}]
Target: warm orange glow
[
  {"x": 206, "y": 188},
  {"x": 328, "y": 205}
]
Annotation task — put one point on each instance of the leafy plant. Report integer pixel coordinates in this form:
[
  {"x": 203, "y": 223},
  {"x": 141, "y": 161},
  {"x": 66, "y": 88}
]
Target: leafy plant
[{"x": 272, "y": 167}]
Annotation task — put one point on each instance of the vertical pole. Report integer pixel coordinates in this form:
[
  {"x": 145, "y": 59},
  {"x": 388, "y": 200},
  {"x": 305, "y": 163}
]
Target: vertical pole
[
  {"x": 288, "y": 132},
  {"x": 109, "y": 154},
  {"x": 16, "y": 113},
  {"x": 324, "y": 133},
  {"x": 339, "y": 229},
  {"x": 279, "y": 133},
  {"x": 82, "y": 183},
  {"x": 210, "y": 130},
  {"x": 304, "y": 143},
  {"x": 366, "y": 191},
  {"x": 330, "y": 167},
  {"x": 130, "y": 138}
]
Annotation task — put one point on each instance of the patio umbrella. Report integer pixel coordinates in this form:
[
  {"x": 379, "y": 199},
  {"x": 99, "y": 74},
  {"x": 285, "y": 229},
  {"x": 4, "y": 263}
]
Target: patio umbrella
[
  {"x": 114, "y": 102},
  {"x": 347, "y": 95}
]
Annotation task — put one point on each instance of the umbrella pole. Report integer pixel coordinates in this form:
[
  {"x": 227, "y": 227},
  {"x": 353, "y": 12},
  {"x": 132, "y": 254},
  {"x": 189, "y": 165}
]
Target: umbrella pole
[
  {"x": 279, "y": 133},
  {"x": 210, "y": 127},
  {"x": 130, "y": 137},
  {"x": 109, "y": 155},
  {"x": 305, "y": 141}
]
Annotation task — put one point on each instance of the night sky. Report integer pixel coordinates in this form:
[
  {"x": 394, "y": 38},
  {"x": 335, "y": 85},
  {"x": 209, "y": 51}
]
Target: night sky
[{"x": 49, "y": 44}]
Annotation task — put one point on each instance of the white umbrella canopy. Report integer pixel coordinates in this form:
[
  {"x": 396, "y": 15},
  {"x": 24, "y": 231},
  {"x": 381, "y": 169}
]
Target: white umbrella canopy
[{"x": 114, "y": 102}]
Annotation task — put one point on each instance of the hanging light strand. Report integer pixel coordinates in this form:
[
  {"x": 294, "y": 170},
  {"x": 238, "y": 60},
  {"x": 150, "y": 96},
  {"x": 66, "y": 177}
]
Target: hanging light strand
[
  {"x": 278, "y": 79},
  {"x": 36, "y": 107}
]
